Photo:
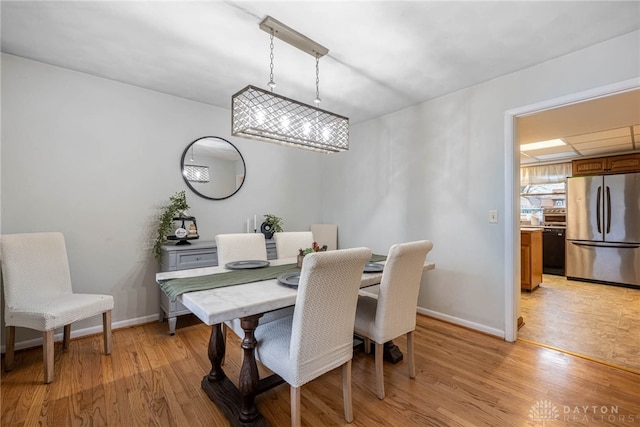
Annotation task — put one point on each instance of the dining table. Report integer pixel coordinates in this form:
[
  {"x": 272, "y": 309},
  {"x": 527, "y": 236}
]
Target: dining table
[{"x": 219, "y": 294}]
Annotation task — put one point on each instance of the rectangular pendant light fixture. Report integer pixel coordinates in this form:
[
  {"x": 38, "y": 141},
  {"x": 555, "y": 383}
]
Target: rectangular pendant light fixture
[
  {"x": 196, "y": 173},
  {"x": 263, "y": 115},
  {"x": 266, "y": 116}
]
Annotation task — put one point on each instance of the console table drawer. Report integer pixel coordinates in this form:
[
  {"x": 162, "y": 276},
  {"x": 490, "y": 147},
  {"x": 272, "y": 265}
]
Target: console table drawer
[{"x": 195, "y": 259}]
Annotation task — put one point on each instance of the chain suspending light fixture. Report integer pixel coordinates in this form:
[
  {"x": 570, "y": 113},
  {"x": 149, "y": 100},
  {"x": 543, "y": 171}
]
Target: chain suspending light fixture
[{"x": 263, "y": 115}]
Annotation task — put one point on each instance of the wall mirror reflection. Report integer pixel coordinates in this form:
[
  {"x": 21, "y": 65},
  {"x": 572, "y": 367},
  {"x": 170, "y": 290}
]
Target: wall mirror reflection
[{"x": 213, "y": 168}]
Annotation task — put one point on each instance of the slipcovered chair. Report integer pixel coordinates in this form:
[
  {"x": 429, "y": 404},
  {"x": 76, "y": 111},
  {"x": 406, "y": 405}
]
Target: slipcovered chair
[
  {"x": 319, "y": 336},
  {"x": 240, "y": 247},
  {"x": 243, "y": 247},
  {"x": 393, "y": 313},
  {"x": 288, "y": 243},
  {"x": 38, "y": 294},
  {"x": 326, "y": 234}
]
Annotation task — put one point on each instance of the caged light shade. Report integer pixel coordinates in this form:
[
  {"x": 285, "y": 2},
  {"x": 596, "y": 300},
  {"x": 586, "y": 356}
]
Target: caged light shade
[{"x": 266, "y": 116}]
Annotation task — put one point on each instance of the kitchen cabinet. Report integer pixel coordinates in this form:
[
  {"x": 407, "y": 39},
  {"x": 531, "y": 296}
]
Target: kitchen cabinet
[
  {"x": 606, "y": 165},
  {"x": 530, "y": 258},
  {"x": 198, "y": 254}
]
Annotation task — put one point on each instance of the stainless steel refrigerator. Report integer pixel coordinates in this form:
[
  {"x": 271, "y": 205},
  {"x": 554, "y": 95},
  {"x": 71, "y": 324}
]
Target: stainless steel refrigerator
[{"x": 603, "y": 228}]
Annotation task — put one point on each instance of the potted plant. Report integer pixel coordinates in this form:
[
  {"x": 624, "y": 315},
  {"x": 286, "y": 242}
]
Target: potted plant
[
  {"x": 315, "y": 247},
  {"x": 272, "y": 224},
  {"x": 176, "y": 208}
]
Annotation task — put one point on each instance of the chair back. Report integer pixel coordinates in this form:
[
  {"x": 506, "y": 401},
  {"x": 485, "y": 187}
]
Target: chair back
[
  {"x": 289, "y": 242},
  {"x": 324, "y": 314},
  {"x": 326, "y": 234},
  {"x": 240, "y": 247},
  {"x": 399, "y": 289},
  {"x": 34, "y": 264}
]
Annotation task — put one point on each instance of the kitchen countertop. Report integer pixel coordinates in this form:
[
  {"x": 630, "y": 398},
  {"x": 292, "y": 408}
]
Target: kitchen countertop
[{"x": 531, "y": 228}]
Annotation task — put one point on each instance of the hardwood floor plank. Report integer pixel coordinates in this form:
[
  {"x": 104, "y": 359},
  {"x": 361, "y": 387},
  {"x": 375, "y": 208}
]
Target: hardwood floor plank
[{"x": 463, "y": 378}]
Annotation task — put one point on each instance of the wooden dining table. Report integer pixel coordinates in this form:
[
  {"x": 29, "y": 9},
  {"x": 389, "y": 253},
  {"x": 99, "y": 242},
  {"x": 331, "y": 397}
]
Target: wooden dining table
[{"x": 247, "y": 302}]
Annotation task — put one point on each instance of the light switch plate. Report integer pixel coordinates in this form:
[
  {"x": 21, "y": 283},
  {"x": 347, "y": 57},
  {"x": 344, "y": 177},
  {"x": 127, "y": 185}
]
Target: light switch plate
[{"x": 493, "y": 216}]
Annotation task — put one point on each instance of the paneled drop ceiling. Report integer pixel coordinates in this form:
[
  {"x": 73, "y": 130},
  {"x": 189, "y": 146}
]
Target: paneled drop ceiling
[{"x": 600, "y": 127}]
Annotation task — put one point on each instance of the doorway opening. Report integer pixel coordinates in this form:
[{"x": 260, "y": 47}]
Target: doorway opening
[{"x": 512, "y": 186}]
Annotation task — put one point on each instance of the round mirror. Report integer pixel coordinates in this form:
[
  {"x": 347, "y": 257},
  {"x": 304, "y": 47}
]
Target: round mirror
[{"x": 213, "y": 168}]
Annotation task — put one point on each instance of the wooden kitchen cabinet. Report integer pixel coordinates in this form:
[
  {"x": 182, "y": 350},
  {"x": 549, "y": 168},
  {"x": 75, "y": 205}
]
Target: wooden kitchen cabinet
[
  {"x": 606, "y": 165},
  {"x": 530, "y": 259}
]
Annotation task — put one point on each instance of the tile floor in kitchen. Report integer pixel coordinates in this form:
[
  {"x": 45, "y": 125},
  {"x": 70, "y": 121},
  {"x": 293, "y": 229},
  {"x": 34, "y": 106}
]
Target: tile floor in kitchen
[{"x": 598, "y": 321}]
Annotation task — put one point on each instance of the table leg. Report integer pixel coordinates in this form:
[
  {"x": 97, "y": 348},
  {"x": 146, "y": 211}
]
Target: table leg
[
  {"x": 249, "y": 377},
  {"x": 216, "y": 351},
  {"x": 172, "y": 325},
  {"x": 237, "y": 403},
  {"x": 392, "y": 353}
]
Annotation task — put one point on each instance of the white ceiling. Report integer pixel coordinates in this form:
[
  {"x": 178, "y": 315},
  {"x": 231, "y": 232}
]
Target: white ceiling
[
  {"x": 383, "y": 56},
  {"x": 599, "y": 127}
]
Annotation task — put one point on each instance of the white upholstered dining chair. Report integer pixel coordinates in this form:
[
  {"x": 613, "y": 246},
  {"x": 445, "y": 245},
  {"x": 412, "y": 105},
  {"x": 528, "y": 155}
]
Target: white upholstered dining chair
[
  {"x": 38, "y": 294},
  {"x": 325, "y": 234},
  {"x": 240, "y": 247},
  {"x": 243, "y": 247},
  {"x": 393, "y": 313},
  {"x": 319, "y": 336},
  {"x": 288, "y": 243}
]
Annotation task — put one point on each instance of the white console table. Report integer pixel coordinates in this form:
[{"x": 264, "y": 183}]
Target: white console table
[{"x": 200, "y": 253}]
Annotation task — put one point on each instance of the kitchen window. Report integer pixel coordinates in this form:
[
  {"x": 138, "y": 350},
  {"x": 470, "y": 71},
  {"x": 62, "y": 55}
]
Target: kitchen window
[{"x": 541, "y": 187}]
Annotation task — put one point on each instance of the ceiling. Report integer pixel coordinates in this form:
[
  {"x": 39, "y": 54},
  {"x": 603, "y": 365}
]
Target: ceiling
[
  {"x": 598, "y": 127},
  {"x": 383, "y": 56}
]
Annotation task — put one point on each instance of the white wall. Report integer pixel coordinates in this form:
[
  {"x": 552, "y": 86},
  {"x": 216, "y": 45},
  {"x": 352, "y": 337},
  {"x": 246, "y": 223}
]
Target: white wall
[
  {"x": 433, "y": 171},
  {"x": 95, "y": 159}
]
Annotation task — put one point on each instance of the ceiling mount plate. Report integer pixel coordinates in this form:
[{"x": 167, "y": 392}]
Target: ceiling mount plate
[{"x": 292, "y": 37}]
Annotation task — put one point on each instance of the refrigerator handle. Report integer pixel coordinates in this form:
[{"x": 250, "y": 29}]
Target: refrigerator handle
[
  {"x": 608, "y": 210},
  {"x": 613, "y": 245},
  {"x": 598, "y": 209}
]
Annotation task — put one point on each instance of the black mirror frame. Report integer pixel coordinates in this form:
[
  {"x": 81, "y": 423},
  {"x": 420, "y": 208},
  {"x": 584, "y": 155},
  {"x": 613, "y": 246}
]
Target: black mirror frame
[{"x": 184, "y": 154}]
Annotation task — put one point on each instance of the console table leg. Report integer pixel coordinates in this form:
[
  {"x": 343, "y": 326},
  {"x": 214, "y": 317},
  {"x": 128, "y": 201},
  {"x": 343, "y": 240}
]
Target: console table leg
[
  {"x": 216, "y": 352},
  {"x": 249, "y": 377},
  {"x": 172, "y": 325}
]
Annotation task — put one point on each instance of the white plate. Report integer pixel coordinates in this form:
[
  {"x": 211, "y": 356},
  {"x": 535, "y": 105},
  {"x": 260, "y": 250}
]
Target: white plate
[{"x": 244, "y": 265}]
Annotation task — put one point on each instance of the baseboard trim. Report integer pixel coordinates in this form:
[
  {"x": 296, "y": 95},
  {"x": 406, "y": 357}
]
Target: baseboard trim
[
  {"x": 37, "y": 342},
  {"x": 462, "y": 322}
]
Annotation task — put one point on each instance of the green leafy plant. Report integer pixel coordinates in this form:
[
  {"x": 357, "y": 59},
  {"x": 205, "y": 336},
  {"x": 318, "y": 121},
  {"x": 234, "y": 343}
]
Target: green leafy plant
[
  {"x": 177, "y": 205},
  {"x": 315, "y": 247},
  {"x": 274, "y": 223}
]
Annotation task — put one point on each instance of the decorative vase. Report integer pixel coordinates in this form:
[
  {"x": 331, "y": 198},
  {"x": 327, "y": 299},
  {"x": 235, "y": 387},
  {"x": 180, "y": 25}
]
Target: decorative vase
[
  {"x": 266, "y": 230},
  {"x": 300, "y": 259}
]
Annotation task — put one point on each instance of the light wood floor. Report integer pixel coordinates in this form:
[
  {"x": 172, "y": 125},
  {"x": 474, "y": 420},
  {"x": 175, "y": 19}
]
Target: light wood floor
[
  {"x": 464, "y": 378},
  {"x": 594, "y": 320}
]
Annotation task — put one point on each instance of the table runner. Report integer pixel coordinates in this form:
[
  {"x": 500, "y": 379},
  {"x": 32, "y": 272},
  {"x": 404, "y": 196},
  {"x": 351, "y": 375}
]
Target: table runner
[{"x": 175, "y": 287}]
